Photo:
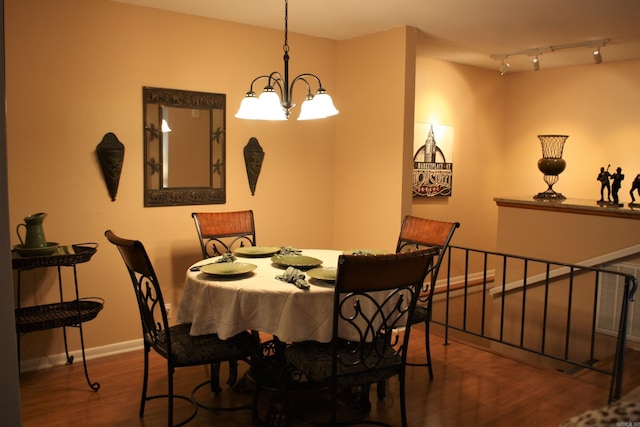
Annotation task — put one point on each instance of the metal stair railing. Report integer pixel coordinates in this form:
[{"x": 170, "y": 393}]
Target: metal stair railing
[{"x": 543, "y": 307}]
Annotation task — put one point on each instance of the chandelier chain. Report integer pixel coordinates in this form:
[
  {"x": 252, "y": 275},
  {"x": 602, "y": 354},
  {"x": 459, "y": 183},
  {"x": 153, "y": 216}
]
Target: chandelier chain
[{"x": 285, "y": 47}]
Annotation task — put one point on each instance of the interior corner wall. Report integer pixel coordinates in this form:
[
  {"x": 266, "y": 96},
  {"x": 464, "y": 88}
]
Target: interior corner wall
[
  {"x": 371, "y": 138},
  {"x": 470, "y": 100}
]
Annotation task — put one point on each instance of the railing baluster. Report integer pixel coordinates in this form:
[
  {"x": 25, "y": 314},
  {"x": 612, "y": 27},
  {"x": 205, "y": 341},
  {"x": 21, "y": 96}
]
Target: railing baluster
[
  {"x": 484, "y": 292},
  {"x": 569, "y": 307},
  {"x": 466, "y": 289},
  {"x": 592, "y": 345},
  {"x": 545, "y": 308},
  {"x": 502, "y": 300},
  {"x": 524, "y": 301}
]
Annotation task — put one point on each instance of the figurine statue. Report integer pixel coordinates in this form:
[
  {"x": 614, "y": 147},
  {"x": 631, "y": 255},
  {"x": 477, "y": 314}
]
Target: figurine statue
[
  {"x": 635, "y": 186},
  {"x": 617, "y": 178},
  {"x": 604, "y": 177}
]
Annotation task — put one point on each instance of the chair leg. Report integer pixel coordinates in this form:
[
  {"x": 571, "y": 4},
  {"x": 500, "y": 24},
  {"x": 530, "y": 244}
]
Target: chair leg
[
  {"x": 215, "y": 377},
  {"x": 427, "y": 342},
  {"x": 381, "y": 390},
  {"x": 145, "y": 381},
  {"x": 170, "y": 371},
  {"x": 233, "y": 372},
  {"x": 333, "y": 389},
  {"x": 365, "y": 403},
  {"x": 403, "y": 402}
]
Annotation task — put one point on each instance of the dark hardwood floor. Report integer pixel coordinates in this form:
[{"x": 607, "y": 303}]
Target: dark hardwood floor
[{"x": 471, "y": 387}]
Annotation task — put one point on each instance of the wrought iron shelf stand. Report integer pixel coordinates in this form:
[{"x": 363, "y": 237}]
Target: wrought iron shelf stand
[{"x": 60, "y": 314}]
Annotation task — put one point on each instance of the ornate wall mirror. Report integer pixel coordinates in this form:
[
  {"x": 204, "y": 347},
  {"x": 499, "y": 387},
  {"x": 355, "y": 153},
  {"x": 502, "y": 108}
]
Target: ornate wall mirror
[{"x": 184, "y": 147}]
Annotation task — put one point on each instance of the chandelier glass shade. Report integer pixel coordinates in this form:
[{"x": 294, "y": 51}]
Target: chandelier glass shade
[{"x": 276, "y": 100}]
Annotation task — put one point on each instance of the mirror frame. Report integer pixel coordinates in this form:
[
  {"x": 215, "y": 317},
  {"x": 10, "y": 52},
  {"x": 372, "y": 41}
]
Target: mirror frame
[{"x": 185, "y": 99}]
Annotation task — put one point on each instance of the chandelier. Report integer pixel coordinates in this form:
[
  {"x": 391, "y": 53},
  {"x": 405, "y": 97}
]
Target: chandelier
[{"x": 273, "y": 106}]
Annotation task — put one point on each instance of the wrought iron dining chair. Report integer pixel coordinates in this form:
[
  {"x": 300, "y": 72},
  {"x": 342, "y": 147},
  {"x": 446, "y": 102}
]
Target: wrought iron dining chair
[
  {"x": 420, "y": 233},
  {"x": 174, "y": 343},
  {"x": 221, "y": 232},
  {"x": 374, "y": 297}
]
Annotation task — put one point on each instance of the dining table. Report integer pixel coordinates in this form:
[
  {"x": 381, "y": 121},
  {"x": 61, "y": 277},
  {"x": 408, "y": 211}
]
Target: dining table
[
  {"x": 249, "y": 291},
  {"x": 253, "y": 298}
]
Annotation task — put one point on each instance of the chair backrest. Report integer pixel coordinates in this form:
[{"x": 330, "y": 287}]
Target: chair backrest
[
  {"x": 375, "y": 295},
  {"x": 221, "y": 232},
  {"x": 153, "y": 316},
  {"x": 420, "y": 233}
]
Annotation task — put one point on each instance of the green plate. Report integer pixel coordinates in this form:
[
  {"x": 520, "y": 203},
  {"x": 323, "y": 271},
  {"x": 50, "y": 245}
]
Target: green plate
[
  {"x": 328, "y": 274},
  {"x": 47, "y": 250},
  {"x": 228, "y": 268},
  {"x": 366, "y": 252},
  {"x": 297, "y": 261},
  {"x": 256, "y": 251}
]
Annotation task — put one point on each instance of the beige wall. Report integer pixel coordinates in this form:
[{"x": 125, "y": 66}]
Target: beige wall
[
  {"x": 372, "y": 188},
  {"x": 496, "y": 120},
  {"x": 596, "y": 105},
  {"x": 563, "y": 237},
  {"x": 75, "y": 71}
]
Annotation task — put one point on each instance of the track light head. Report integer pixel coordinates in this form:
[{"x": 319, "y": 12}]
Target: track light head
[
  {"x": 504, "y": 67},
  {"x": 597, "y": 56},
  {"x": 536, "y": 63}
]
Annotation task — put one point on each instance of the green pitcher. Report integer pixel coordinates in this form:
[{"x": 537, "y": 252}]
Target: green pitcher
[{"x": 34, "y": 233}]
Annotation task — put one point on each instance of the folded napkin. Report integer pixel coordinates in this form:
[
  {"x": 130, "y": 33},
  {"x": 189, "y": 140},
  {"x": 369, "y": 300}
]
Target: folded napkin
[
  {"x": 361, "y": 252},
  {"x": 227, "y": 257},
  {"x": 294, "y": 276},
  {"x": 288, "y": 250}
]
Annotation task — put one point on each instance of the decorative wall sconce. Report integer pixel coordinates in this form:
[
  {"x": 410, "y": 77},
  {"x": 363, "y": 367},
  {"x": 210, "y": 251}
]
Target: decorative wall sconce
[
  {"x": 110, "y": 153},
  {"x": 253, "y": 157}
]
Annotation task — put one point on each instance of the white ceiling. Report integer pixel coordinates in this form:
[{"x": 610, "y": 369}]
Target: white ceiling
[{"x": 463, "y": 31}]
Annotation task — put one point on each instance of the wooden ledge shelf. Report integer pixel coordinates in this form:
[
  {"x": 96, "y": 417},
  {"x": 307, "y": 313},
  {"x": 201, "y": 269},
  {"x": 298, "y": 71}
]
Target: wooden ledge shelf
[{"x": 574, "y": 206}]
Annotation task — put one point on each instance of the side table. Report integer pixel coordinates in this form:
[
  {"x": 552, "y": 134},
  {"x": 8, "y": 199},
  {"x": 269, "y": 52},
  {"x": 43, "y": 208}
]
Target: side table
[{"x": 60, "y": 314}]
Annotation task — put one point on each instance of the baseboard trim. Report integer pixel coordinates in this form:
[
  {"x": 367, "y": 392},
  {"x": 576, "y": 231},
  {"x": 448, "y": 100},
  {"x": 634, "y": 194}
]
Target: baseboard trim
[{"x": 90, "y": 353}]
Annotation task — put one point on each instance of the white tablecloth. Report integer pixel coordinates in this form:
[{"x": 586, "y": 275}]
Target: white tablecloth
[{"x": 258, "y": 301}]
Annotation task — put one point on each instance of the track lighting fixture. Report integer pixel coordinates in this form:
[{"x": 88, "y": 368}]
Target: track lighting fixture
[{"x": 596, "y": 45}]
